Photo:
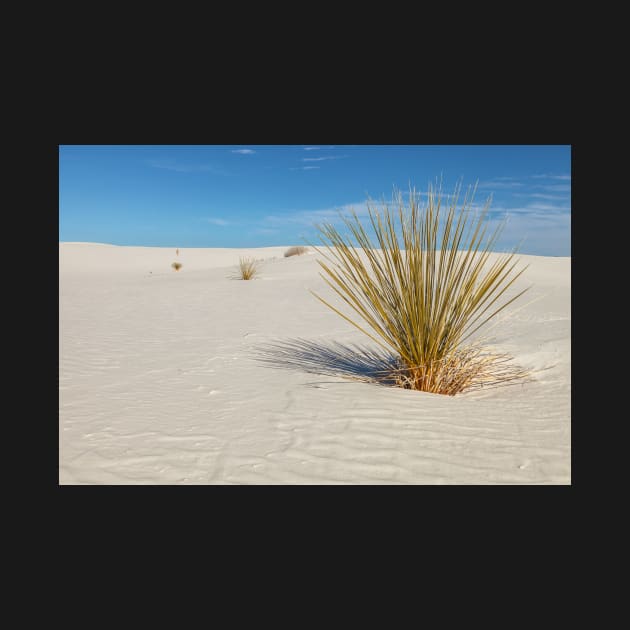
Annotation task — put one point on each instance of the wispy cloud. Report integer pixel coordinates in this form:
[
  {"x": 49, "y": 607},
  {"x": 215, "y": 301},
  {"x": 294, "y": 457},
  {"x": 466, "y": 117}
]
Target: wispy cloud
[
  {"x": 332, "y": 214},
  {"x": 217, "y": 221},
  {"x": 543, "y": 196},
  {"x": 557, "y": 188},
  {"x": 550, "y": 207},
  {"x": 541, "y": 229},
  {"x": 312, "y": 148},
  {"x": 244, "y": 151},
  {"x": 514, "y": 184},
  {"x": 264, "y": 231},
  {"x": 303, "y": 168},
  {"x": 321, "y": 159},
  {"x": 550, "y": 176},
  {"x": 536, "y": 208},
  {"x": 172, "y": 165},
  {"x": 541, "y": 235},
  {"x": 501, "y": 183},
  {"x": 311, "y": 217}
]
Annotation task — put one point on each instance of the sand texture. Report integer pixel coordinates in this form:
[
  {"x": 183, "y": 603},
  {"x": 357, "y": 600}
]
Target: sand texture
[{"x": 192, "y": 377}]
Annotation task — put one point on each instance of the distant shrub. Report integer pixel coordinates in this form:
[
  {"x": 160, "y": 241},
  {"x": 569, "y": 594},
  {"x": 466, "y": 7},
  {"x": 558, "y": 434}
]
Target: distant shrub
[
  {"x": 295, "y": 251},
  {"x": 247, "y": 268},
  {"x": 177, "y": 252},
  {"x": 177, "y": 266}
]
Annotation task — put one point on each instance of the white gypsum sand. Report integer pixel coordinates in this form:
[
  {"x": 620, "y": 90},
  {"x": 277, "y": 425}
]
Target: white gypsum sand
[{"x": 193, "y": 377}]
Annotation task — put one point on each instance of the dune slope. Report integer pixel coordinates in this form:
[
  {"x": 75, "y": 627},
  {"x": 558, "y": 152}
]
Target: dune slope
[{"x": 192, "y": 377}]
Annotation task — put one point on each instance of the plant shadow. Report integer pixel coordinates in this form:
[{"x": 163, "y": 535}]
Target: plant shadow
[{"x": 354, "y": 361}]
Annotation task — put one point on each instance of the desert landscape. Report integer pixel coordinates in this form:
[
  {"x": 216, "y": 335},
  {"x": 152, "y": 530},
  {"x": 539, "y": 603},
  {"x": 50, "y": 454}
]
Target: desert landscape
[{"x": 192, "y": 376}]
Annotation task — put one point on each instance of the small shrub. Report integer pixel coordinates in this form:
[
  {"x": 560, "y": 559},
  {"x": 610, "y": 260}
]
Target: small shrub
[
  {"x": 247, "y": 268},
  {"x": 177, "y": 266},
  {"x": 295, "y": 251},
  {"x": 423, "y": 287}
]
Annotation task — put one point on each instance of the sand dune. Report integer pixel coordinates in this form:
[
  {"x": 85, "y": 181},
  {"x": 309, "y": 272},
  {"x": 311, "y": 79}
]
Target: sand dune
[{"x": 191, "y": 377}]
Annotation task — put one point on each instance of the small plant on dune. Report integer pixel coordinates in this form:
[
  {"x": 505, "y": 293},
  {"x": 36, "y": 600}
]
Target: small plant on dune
[
  {"x": 247, "y": 268},
  {"x": 428, "y": 282},
  {"x": 295, "y": 251},
  {"x": 177, "y": 252},
  {"x": 177, "y": 266}
]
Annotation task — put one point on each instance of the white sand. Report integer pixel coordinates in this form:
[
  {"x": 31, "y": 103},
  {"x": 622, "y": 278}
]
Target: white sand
[{"x": 161, "y": 381}]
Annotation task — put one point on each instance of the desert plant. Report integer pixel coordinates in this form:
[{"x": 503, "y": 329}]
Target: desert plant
[
  {"x": 424, "y": 287},
  {"x": 295, "y": 251},
  {"x": 177, "y": 266},
  {"x": 247, "y": 268}
]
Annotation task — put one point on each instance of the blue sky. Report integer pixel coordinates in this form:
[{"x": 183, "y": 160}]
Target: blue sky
[{"x": 264, "y": 195}]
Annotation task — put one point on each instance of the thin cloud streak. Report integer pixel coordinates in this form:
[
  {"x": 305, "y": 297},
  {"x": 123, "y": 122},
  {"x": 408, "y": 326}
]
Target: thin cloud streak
[
  {"x": 321, "y": 159},
  {"x": 244, "y": 151},
  {"x": 497, "y": 184},
  {"x": 557, "y": 188},
  {"x": 533, "y": 209},
  {"x": 543, "y": 196},
  {"x": 171, "y": 165},
  {"x": 264, "y": 231},
  {"x": 550, "y": 176},
  {"x": 311, "y": 217},
  {"x": 548, "y": 206}
]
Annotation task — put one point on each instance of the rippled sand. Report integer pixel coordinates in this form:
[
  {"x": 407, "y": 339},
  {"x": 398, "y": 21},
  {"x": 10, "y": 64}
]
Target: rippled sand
[{"x": 192, "y": 377}]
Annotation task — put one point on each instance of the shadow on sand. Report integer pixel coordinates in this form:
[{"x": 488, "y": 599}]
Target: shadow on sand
[
  {"x": 330, "y": 358},
  {"x": 367, "y": 364}
]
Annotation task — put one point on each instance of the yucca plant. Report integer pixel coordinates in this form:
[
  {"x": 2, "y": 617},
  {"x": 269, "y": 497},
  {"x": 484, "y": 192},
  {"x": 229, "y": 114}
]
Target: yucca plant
[
  {"x": 247, "y": 268},
  {"x": 425, "y": 285},
  {"x": 177, "y": 266}
]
